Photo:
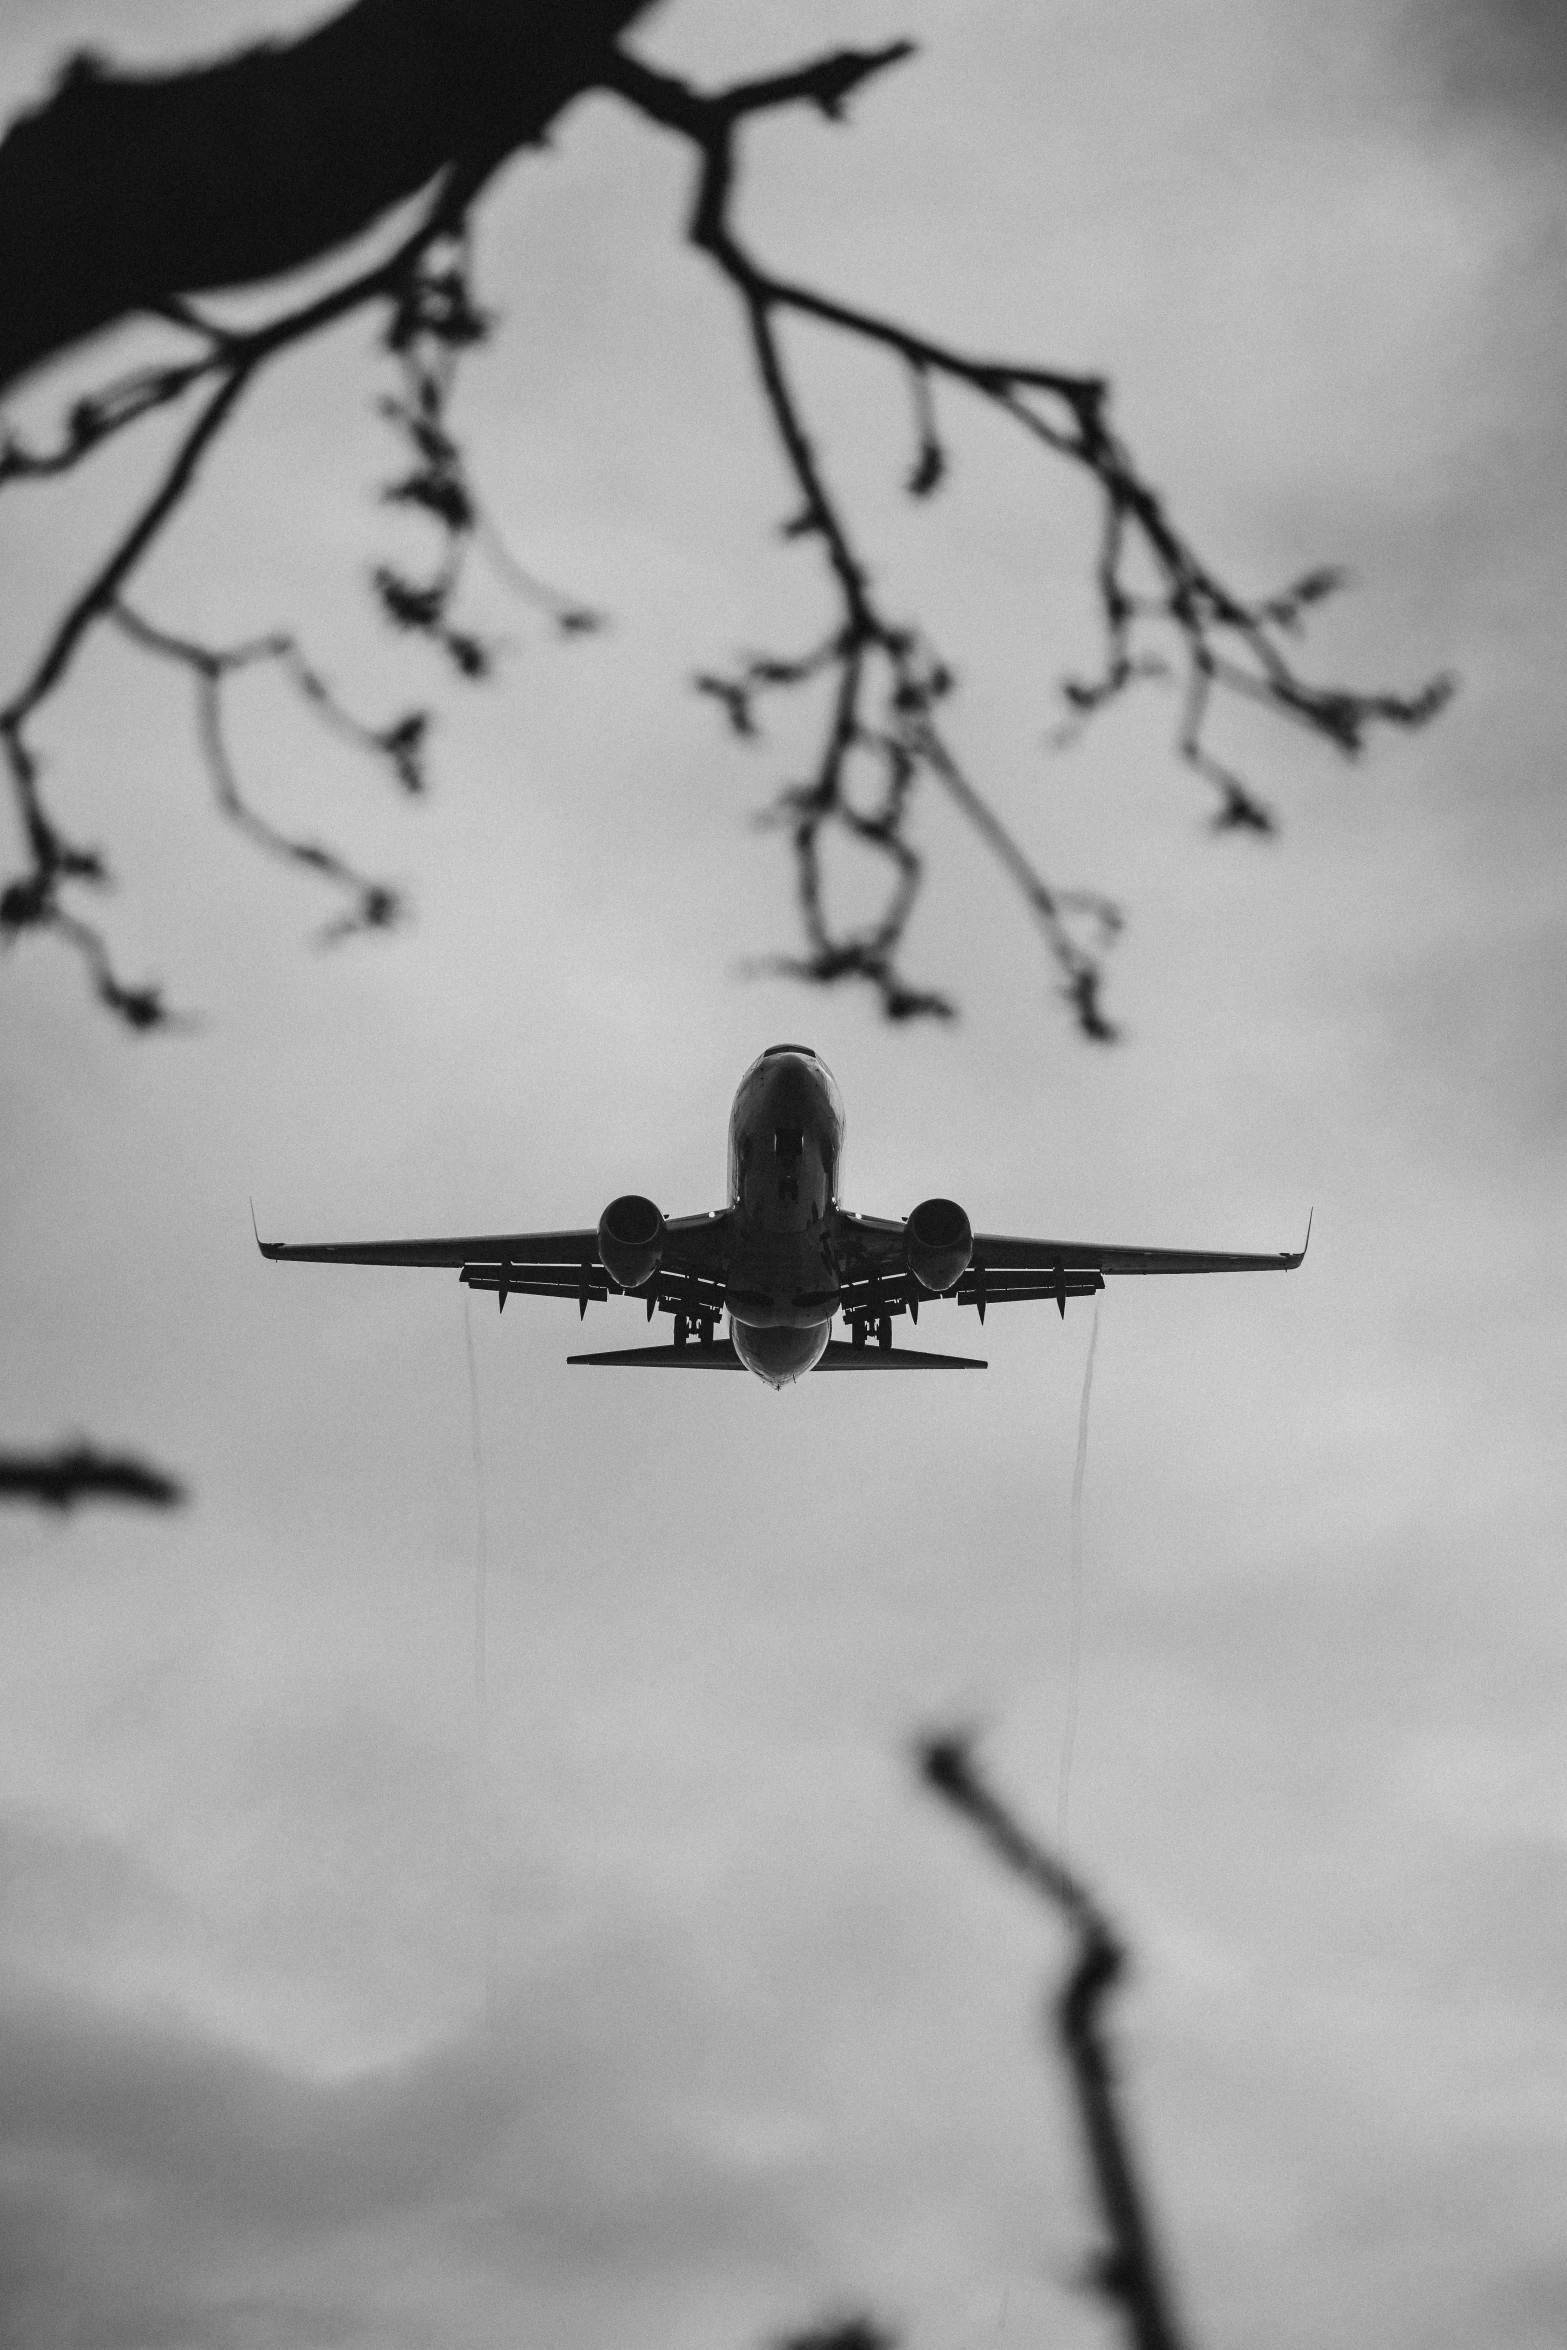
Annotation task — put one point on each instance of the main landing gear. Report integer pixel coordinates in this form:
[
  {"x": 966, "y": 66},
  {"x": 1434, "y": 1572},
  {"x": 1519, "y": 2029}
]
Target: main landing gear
[{"x": 704, "y": 1329}]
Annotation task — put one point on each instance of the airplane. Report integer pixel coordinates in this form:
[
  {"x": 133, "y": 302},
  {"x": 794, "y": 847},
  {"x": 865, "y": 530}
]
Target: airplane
[{"x": 784, "y": 1257}]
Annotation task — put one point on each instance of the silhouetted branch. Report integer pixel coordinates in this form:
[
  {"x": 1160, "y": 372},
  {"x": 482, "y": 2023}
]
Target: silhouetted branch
[
  {"x": 126, "y": 192},
  {"x": 33, "y": 900},
  {"x": 889, "y": 678},
  {"x": 842, "y": 2333},
  {"x": 98, "y": 417},
  {"x": 373, "y": 905},
  {"x": 80, "y": 1473},
  {"x": 466, "y": 95},
  {"x": 1127, "y": 2271},
  {"x": 431, "y": 320},
  {"x": 108, "y": 204}
]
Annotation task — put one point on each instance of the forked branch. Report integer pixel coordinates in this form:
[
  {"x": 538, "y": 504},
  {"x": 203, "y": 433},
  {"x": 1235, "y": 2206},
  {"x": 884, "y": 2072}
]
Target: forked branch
[
  {"x": 882, "y": 683},
  {"x": 889, "y": 679},
  {"x": 35, "y": 899}
]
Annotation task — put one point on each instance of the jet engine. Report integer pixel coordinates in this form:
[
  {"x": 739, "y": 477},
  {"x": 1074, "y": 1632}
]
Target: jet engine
[
  {"x": 631, "y": 1240},
  {"x": 938, "y": 1241}
]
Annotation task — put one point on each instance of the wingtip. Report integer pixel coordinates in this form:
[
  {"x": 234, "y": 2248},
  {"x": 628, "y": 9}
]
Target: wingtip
[
  {"x": 1294, "y": 1257},
  {"x": 268, "y": 1248}
]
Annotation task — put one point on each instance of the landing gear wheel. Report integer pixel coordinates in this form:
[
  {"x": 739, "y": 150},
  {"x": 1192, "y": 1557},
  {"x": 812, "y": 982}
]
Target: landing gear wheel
[
  {"x": 680, "y": 1330},
  {"x": 884, "y": 1333}
]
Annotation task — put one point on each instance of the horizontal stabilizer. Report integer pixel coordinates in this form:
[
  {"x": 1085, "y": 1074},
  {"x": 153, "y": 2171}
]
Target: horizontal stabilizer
[
  {"x": 840, "y": 1357},
  {"x": 719, "y": 1356}
]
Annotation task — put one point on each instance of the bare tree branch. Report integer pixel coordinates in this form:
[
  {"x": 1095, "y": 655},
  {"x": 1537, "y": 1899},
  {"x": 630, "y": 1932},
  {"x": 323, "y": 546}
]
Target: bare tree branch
[
  {"x": 79, "y": 1472},
  {"x": 1127, "y": 2271},
  {"x": 477, "y": 78},
  {"x": 97, "y": 417},
  {"x": 890, "y": 679},
  {"x": 373, "y": 906},
  {"x": 842, "y": 2333},
  {"x": 434, "y": 321},
  {"x": 33, "y": 900},
  {"x": 124, "y": 192},
  {"x": 431, "y": 319}
]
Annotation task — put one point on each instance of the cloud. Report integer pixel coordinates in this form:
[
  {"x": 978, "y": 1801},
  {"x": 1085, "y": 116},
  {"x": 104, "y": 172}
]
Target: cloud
[
  {"x": 178, "y": 2189},
  {"x": 1495, "y": 1918},
  {"x": 162, "y": 2186},
  {"x": 1498, "y": 60}
]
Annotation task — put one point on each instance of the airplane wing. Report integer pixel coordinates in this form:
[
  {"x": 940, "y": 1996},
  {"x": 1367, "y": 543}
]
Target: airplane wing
[
  {"x": 544, "y": 1264},
  {"x": 1004, "y": 1268}
]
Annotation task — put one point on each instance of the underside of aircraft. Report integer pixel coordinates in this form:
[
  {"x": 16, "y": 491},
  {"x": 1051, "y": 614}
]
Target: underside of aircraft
[{"x": 783, "y": 1259}]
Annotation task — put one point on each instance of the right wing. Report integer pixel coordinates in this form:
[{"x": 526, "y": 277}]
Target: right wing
[
  {"x": 689, "y": 1280},
  {"x": 1005, "y": 1267}
]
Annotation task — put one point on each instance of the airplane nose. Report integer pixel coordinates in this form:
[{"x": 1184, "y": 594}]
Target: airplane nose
[{"x": 790, "y": 1096}]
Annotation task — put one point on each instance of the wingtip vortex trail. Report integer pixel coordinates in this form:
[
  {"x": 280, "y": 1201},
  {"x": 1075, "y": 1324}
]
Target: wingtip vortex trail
[
  {"x": 1075, "y": 1648},
  {"x": 481, "y": 1672}
]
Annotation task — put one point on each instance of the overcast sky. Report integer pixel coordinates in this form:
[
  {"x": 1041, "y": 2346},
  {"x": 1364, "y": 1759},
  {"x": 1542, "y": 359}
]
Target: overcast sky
[{"x": 763, "y": 2037}]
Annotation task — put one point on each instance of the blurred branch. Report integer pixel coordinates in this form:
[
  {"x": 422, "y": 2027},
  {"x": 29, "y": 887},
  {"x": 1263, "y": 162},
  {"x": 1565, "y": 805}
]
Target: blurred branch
[
  {"x": 372, "y": 905},
  {"x": 33, "y": 899},
  {"x": 1127, "y": 2271},
  {"x": 122, "y": 192},
  {"x": 887, "y": 679},
  {"x": 319, "y": 138},
  {"x": 842, "y": 2333},
  {"x": 79, "y": 1472},
  {"x": 433, "y": 322},
  {"x": 109, "y": 204}
]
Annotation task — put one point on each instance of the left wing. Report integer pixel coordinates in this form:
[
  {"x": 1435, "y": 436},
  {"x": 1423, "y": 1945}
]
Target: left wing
[{"x": 690, "y": 1277}]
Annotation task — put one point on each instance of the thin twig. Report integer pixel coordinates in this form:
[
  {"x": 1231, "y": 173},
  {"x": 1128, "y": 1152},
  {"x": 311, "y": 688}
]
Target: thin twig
[
  {"x": 373, "y": 905},
  {"x": 34, "y": 899}
]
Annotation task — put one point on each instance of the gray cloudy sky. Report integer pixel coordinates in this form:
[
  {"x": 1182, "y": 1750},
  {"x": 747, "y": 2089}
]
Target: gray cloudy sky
[{"x": 762, "y": 2040}]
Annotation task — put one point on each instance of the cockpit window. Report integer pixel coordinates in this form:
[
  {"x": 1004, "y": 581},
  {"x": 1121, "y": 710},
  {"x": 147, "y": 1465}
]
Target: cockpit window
[{"x": 803, "y": 1049}]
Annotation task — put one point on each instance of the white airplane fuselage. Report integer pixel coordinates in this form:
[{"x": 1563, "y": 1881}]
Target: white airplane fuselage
[{"x": 786, "y": 1135}]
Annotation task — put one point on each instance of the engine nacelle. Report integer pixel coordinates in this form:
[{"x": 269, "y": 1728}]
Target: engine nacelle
[
  {"x": 631, "y": 1240},
  {"x": 938, "y": 1241}
]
